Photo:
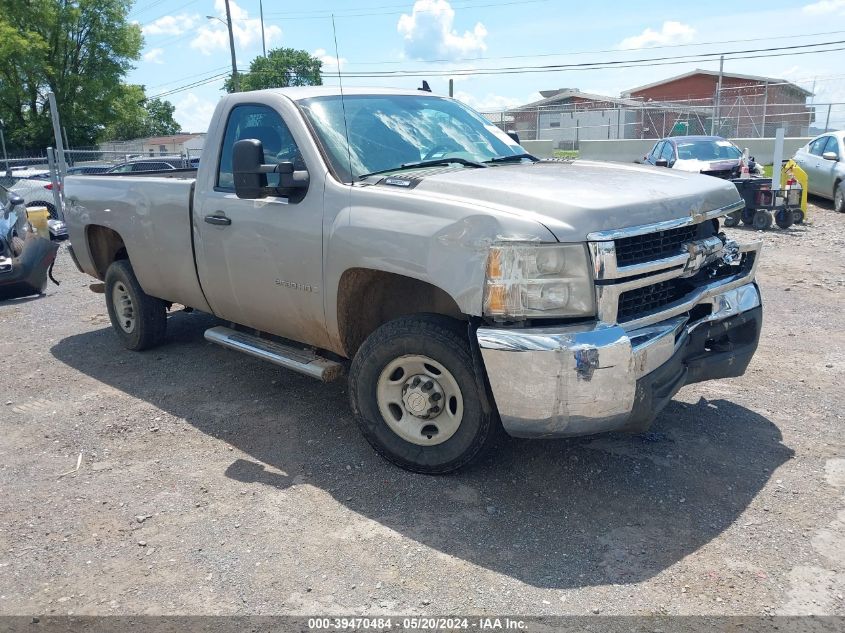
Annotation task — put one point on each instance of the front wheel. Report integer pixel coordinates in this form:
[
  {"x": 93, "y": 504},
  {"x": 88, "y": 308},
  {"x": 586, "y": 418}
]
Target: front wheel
[
  {"x": 139, "y": 319},
  {"x": 839, "y": 198},
  {"x": 417, "y": 398},
  {"x": 762, "y": 220}
]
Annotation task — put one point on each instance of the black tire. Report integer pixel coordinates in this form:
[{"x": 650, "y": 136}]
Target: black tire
[
  {"x": 797, "y": 216},
  {"x": 17, "y": 246},
  {"x": 839, "y": 197},
  {"x": 149, "y": 313},
  {"x": 762, "y": 220},
  {"x": 445, "y": 341},
  {"x": 748, "y": 216},
  {"x": 732, "y": 219},
  {"x": 784, "y": 218}
]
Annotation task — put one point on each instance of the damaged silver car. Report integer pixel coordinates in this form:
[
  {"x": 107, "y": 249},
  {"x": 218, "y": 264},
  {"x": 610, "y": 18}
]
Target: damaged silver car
[{"x": 26, "y": 252}]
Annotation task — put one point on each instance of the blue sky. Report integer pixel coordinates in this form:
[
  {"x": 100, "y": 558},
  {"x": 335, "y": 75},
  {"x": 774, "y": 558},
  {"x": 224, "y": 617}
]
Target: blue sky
[{"x": 182, "y": 46}]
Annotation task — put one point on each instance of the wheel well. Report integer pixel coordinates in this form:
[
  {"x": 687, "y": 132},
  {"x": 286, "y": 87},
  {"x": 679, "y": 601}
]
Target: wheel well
[
  {"x": 369, "y": 298},
  {"x": 106, "y": 246}
]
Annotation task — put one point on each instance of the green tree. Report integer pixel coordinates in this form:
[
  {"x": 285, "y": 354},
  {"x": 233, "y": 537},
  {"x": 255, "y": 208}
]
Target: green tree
[
  {"x": 281, "y": 68},
  {"x": 77, "y": 49},
  {"x": 132, "y": 115}
]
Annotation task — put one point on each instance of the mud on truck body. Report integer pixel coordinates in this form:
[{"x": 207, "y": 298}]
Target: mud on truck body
[{"x": 466, "y": 287}]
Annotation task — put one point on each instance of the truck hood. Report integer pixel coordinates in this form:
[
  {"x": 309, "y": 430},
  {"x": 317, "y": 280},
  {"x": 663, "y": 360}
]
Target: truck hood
[{"x": 573, "y": 199}]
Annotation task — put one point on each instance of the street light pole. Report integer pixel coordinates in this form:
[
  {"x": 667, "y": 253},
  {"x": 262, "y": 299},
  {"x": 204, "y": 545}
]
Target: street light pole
[
  {"x": 228, "y": 24},
  {"x": 261, "y": 13},
  {"x": 3, "y": 141},
  {"x": 232, "y": 47}
]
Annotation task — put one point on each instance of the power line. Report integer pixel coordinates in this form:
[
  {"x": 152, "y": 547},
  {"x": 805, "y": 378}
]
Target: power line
[
  {"x": 357, "y": 12},
  {"x": 599, "y": 65},
  {"x": 606, "y": 50}
]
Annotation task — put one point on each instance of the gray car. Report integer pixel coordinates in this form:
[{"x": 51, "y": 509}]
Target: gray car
[{"x": 823, "y": 159}]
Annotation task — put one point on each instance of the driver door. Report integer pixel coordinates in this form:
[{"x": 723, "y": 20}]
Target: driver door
[{"x": 261, "y": 260}]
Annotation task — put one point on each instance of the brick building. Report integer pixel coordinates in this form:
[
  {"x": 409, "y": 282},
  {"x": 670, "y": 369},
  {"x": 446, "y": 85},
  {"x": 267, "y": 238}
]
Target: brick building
[{"x": 749, "y": 106}]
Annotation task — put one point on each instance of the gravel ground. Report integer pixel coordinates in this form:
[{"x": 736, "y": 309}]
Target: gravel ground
[{"x": 213, "y": 483}]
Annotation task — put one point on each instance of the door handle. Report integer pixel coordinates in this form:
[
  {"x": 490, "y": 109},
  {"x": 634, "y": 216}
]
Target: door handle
[{"x": 218, "y": 220}]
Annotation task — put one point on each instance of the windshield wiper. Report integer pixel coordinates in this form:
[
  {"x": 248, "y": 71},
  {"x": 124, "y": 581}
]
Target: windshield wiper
[
  {"x": 435, "y": 162},
  {"x": 512, "y": 158}
]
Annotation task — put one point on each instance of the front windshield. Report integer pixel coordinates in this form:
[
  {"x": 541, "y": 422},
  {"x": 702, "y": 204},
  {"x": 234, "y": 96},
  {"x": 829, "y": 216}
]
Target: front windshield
[
  {"x": 708, "y": 150},
  {"x": 388, "y": 131}
]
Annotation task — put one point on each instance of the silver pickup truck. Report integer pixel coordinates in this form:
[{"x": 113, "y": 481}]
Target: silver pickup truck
[{"x": 473, "y": 287}]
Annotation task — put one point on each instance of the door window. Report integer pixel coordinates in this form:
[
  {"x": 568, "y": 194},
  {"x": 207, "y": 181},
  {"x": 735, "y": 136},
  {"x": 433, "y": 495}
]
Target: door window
[
  {"x": 832, "y": 146},
  {"x": 668, "y": 152},
  {"x": 817, "y": 146},
  {"x": 262, "y": 123},
  {"x": 655, "y": 151}
]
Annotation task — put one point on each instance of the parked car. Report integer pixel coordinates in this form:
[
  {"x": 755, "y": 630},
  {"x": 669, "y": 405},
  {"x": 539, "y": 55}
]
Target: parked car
[
  {"x": 25, "y": 254},
  {"x": 148, "y": 164},
  {"x": 87, "y": 169},
  {"x": 710, "y": 155},
  {"x": 823, "y": 159},
  {"x": 473, "y": 287},
  {"x": 36, "y": 191}
]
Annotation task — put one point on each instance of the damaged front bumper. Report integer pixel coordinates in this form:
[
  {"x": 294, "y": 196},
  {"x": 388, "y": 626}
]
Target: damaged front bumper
[{"x": 585, "y": 379}]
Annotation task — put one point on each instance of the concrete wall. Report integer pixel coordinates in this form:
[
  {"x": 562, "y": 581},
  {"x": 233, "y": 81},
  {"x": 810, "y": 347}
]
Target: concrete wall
[
  {"x": 540, "y": 149},
  {"x": 627, "y": 151}
]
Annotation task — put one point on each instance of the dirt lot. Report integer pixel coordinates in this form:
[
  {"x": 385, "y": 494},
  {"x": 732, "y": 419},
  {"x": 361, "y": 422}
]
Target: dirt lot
[{"x": 212, "y": 483}]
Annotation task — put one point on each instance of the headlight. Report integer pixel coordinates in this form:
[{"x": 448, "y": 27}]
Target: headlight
[{"x": 526, "y": 280}]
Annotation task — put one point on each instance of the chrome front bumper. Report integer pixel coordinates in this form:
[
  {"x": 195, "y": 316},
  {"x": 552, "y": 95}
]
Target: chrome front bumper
[{"x": 585, "y": 379}]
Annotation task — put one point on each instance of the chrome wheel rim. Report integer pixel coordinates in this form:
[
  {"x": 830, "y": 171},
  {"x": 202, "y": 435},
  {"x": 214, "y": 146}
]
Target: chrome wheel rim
[
  {"x": 420, "y": 400},
  {"x": 124, "y": 309}
]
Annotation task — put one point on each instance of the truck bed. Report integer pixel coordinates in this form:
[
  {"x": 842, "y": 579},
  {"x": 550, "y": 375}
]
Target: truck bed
[{"x": 151, "y": 211}]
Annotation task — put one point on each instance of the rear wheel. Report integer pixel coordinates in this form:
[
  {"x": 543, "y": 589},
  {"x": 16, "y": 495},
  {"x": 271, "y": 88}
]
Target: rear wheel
[
  {"x": 417, "y": 398},
  {"x": 762, "y": 220},
  {"x": 839, "y": 197},
  {"x": 784, "y": 218},
  {"x": 798, "y": 216},
  {"x": 138, "y": 319}
]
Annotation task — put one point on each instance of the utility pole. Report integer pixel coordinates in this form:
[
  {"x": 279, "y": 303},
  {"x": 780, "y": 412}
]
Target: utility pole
[
  {"x": 232, "y": 46},
  {"x": 57, "y": 132},
  {"x": 261, "y": 13},
  {"x": 718, "y": 97},
  {"x": 3, "y": 142}
]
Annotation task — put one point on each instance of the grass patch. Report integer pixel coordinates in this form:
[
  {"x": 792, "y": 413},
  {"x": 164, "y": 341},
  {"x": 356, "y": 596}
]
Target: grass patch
[{"x": 566, "y": 153}]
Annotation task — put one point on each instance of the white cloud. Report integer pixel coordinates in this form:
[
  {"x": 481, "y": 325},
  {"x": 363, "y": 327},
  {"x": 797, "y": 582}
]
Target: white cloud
[
  {"x": 671, "y": 33},
  {"x": 154, "y": 56},
  {"x": 490, "y": 101},
  {"x": 247, "y": 31},
  {"x": 429, "y": 32},
  {"x": 329, "y": 61},
  {"x": 193, "y": 113},
  {"x": 823, "y": 7},
  {"x": 171, "y": 25}
]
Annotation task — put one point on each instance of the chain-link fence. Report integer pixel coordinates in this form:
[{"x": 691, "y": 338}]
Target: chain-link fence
[{"x": 567, "y": 124}]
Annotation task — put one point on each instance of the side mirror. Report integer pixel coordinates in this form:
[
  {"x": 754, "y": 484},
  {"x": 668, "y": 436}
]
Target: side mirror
[
  {"x": 661, "y": 162},
  {"x": 514, "y": 135},
  {"x": 830, "y": 156},
  {"x": 250, "y": 174},
  {"x": 15, "y": 200},
  {"x": 250, "y": 179}
]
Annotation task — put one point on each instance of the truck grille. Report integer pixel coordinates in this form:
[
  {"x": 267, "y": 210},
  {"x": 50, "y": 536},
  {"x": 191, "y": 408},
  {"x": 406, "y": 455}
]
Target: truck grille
[
  {"x": 651, "y": 246},
  {"x": 640, "y": 301}
]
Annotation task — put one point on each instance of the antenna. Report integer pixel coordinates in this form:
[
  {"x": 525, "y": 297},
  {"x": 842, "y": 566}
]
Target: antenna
[{"x": 342, "y": 103}]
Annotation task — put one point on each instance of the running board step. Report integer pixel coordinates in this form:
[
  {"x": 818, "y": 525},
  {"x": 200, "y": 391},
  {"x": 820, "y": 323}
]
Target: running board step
[{"x": 299, "y": 360}]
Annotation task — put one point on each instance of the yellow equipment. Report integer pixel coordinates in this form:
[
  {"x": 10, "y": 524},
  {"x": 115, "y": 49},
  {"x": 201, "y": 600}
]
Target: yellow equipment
[
  {"x": 790, "y": 175},
  {"x": 38, "y": 217}
]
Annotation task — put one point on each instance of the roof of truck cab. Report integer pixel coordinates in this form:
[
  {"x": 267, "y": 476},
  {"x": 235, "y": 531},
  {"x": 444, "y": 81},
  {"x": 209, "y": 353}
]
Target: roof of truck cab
[{"x": 298, "y": 93}]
